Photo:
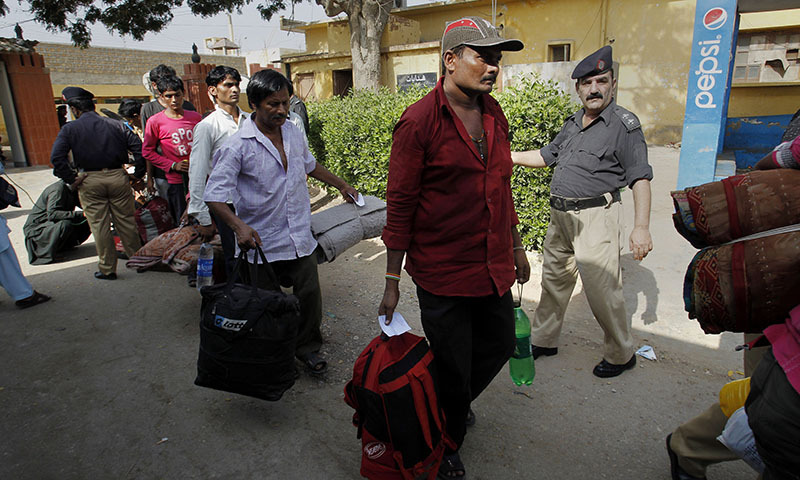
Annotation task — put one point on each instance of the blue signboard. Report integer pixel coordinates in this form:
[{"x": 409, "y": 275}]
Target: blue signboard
[{"x": 713, "y": 49}]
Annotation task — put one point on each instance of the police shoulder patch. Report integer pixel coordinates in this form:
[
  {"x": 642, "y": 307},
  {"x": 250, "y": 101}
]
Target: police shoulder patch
[{"x": 628, "y": 119}]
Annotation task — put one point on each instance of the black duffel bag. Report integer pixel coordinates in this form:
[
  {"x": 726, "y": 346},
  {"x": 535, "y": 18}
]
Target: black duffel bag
[{"x": 247, "y": 337}]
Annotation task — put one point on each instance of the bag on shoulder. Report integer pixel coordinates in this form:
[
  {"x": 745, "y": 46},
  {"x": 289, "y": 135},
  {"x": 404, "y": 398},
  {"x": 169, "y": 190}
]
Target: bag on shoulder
[
  {"x": 247, "y": 337},
  {"x": 8, "y": 194},
  {"x": 400, "y": 423}
]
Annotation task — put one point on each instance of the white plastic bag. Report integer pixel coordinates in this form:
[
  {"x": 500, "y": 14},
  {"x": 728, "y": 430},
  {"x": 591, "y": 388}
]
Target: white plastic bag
[{"x": 738, "y": 437}]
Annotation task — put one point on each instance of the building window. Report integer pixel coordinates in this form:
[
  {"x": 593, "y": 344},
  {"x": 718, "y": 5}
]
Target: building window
[
  {"x": 342, "y": 82},
  {"x": 767, "y": 57},
  {"x": 559, "y": 52}
]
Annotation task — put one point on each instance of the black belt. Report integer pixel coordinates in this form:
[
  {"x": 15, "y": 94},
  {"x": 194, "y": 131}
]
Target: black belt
[
  {"x": 567, "y": 204},
  {"x": 106, "y": 169}
]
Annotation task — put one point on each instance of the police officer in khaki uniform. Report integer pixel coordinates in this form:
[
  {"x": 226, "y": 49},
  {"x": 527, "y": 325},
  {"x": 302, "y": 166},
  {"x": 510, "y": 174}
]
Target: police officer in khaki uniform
[
  {"x": 100, "y": 147},
  {"x": 599, "y": 150}
]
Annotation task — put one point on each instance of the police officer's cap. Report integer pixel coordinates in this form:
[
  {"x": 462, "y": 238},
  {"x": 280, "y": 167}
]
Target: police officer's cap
[
  {"x": 74, "y": 93},
  {"x": 595, "y": 64}
]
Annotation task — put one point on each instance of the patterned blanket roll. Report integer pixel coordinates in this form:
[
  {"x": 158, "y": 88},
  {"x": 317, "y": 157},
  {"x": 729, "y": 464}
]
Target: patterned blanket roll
[
  {"x": 745, "y": 286},
  {"x": 741, "y": 205}
]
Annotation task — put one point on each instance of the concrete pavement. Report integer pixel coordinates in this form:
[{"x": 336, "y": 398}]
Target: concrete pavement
[{"x": 98, "y": 382}]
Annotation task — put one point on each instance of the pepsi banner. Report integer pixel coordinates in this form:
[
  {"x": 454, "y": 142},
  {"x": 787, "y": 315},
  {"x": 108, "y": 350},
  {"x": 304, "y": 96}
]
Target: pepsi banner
[{"x": 709, "y": 79}]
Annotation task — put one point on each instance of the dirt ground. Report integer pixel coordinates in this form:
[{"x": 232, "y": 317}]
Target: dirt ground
[{"x": 98, "y": 383}]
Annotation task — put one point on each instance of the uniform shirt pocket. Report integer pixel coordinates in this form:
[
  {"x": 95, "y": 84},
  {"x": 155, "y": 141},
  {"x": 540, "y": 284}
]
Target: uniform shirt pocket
[{"x": 589, "y": 159}]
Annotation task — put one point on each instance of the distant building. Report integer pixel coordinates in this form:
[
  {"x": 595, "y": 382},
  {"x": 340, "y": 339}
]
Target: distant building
[
  {"x": 651, "y": 40},
  {"x": 221, "y": 46}
]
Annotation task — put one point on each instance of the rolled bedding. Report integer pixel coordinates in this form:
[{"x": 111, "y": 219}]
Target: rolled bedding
[
  {"x": 738, "y": 206},
  {"x": 744, "y": 286}
]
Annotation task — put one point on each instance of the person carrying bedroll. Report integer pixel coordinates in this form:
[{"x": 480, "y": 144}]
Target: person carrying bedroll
[
  {"x": 599, "y": 150},
  {"x": 263, "y": 168}
]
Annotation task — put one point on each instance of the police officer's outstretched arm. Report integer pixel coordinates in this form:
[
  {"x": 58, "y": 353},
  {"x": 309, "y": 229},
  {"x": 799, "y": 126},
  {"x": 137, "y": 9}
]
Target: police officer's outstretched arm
[
  {"x": 640, "y": 241},
  {"x": 531, "y": 159}
]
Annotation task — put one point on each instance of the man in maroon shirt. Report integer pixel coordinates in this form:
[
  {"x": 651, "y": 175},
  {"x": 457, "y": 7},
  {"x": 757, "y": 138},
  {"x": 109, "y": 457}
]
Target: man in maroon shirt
[{"x": 450, "y": 214}]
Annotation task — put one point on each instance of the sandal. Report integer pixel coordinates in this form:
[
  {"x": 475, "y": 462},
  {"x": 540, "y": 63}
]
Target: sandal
[
  {"x": 452, "y": 467},
  {"x": 315, "y": 363},
  {"x": 34, "y": 299}
]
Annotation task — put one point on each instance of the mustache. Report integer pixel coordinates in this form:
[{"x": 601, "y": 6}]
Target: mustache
[
  {"x": 280, "y": 116},
  {"x": 493, "y": 78},
  {"x": 595, "y": 95}
]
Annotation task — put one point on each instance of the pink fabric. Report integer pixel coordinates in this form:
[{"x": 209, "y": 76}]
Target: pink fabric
[
  {"x": 175, "y": 138},
  {"x": 785, "y": 340}
]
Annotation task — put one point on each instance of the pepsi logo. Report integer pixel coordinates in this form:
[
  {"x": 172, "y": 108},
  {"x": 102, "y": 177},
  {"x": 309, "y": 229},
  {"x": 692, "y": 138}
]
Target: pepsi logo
[
  {"x": 715, "y": 18},
  {"x": 374, "y": 450}
]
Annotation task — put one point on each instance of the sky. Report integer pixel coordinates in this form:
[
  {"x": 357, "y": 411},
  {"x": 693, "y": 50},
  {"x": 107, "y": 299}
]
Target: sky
[{"x": 250, "y": 31}]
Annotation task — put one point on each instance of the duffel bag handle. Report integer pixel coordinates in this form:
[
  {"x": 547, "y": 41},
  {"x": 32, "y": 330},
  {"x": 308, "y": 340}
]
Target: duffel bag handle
[{"x": 253, "y": 269}]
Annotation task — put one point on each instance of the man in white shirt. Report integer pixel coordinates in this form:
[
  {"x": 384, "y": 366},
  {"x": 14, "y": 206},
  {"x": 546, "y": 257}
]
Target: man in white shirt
[{"x": 209, "y": 135}]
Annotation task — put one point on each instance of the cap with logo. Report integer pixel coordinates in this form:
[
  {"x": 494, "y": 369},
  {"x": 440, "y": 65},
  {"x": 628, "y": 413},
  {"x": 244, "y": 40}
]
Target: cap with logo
[
  {"x": 476, "y": 32},
  {"x": 595, "y": 64},
  {"x": 73, "y": 93}
]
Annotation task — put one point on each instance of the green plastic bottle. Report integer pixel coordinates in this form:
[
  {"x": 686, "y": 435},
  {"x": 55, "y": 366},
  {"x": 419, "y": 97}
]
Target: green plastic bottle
[{"x": 520, "y": 365}]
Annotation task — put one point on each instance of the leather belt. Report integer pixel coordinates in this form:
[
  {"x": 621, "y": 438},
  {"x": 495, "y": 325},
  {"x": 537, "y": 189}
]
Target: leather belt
[
  {"x": 81, "y": 170},
  {"x": 568, "y": 204}
]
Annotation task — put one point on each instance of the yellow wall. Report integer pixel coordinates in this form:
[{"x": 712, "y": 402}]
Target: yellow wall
[
  {"x": 770, "y": 20},
  {"x": 758, "y": 101},
  {"x": 413, "y": 61},
  {"x": 651, "y": 41}
]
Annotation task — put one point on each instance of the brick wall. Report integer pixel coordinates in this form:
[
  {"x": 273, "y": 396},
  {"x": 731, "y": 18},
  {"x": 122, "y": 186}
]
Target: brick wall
[{"x": 117, "y": 66}]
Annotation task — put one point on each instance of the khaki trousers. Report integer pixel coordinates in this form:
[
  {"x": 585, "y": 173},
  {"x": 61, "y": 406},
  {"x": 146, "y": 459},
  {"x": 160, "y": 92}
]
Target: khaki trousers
[
  {"x": 106, "y": 196},
  {"x": 586, "y": 242},
  {"x": 695, "y": 442}
]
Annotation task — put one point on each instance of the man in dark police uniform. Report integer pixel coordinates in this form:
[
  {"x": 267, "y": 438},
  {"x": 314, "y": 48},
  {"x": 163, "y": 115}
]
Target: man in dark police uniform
[
  {"x": 599, "y": 150},
  {"x": 100, "y": 147}
]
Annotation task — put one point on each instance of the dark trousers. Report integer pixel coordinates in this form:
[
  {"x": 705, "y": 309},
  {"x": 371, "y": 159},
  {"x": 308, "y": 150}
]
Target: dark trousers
[
  {"x": 176, "y": 197},
  {"x": 228, "y": 239},
  {"x": 301, "y": 275},
  {"x": 471, "y": 339}
]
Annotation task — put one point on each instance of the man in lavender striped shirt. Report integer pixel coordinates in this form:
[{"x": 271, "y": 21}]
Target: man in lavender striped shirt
[{"x": 263, "y": 167}]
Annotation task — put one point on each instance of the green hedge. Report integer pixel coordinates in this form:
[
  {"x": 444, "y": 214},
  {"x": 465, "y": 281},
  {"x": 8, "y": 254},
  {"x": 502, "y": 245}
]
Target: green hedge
[
  {"x": 535, "y": 110},
  {"x": 352, "y": 137}
]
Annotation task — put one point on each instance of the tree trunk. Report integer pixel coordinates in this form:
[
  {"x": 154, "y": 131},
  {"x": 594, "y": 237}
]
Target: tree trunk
[
  {"x": 366, "y": 28},
  {"x": 367, "y": 19}
]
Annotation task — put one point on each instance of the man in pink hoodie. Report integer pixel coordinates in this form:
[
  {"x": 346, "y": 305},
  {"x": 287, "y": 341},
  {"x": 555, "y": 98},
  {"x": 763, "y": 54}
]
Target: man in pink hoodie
[{"x": 172, "y": 131}]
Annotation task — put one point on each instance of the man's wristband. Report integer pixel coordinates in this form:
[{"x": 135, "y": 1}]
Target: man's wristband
[
  {"x": 519, "y": 248},
  {"x": 393, "y": 276}
]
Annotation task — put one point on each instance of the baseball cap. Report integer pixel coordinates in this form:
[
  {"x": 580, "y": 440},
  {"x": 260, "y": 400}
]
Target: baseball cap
[{"x": 476, "y": 32}]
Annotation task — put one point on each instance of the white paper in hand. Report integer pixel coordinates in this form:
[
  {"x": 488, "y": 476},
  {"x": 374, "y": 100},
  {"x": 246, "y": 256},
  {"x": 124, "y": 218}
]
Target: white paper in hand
[
  {"x": 359, "y": 200},
  {"x": 397, "y": 327}
]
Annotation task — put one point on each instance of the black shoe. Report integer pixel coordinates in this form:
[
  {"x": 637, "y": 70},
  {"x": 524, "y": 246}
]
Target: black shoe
[
  {"x": 677, "y": 472},
  {"x": 607, "y": 370},
  {"x": 546, "y": 351},
  {"x": 103, "y": 276}
]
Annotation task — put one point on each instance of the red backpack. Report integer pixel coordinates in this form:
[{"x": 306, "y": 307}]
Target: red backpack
[{"x": 399, "y": 421}]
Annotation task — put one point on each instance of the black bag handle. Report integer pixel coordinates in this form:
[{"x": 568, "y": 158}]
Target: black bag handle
[
  {"x": 251, "y": 323},
  {"x": 253, "y": 268}
]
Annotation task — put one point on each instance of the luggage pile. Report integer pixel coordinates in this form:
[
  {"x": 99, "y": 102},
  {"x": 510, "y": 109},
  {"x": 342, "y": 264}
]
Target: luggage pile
[
  {"x": 745, "y": 277},
  {"x": 176, "y": 250}
]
